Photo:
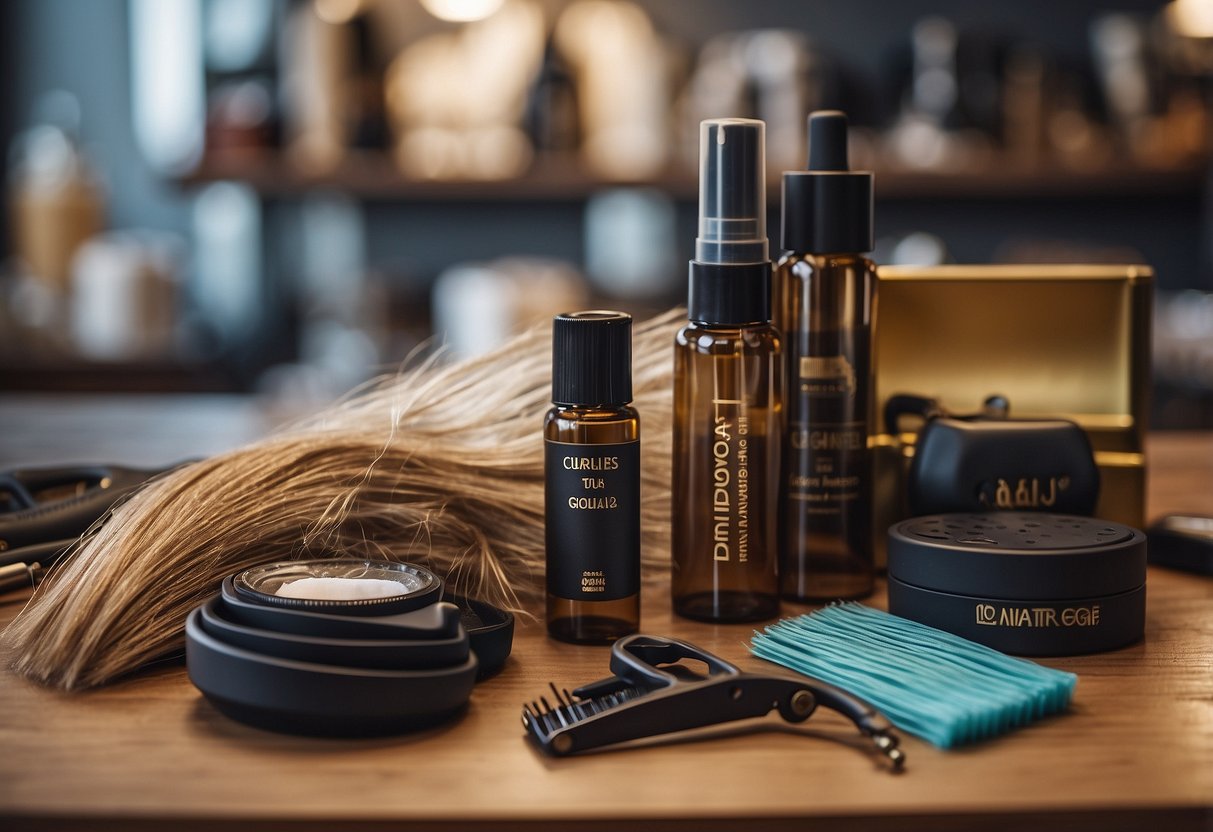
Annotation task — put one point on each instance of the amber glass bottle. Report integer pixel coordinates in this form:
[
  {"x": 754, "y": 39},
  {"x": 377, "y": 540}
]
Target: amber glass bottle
[
  {"x": 823, "y": 301},
  {"x": 592, "y": 481},
  {"x": 727, "y": 394}
]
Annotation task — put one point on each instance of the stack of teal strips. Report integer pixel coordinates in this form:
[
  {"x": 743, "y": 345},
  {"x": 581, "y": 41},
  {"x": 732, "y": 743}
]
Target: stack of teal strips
[{"x": 941, "y": 687}]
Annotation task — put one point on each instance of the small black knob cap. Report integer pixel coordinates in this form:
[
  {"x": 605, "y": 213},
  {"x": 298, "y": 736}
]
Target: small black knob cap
[{"x": 828, "y": 140}]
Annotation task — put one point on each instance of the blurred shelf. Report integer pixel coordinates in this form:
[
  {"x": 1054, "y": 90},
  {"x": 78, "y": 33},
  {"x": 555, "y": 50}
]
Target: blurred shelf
[
  {"x": 372, "y": 176},
  {"x": 1017, "y": 182},
  {"x": 61, "y": 374}
]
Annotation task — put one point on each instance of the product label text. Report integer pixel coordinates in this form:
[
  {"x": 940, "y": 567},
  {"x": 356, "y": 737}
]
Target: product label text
[
  {"x": 592, "y": 519},
  {"x": 1037, "y": 617},
  {"x": 730, "y": 482}
]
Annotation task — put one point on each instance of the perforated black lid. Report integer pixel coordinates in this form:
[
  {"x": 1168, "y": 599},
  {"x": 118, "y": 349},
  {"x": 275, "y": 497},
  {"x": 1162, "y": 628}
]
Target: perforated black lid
[{"x": 1018, "y": 555}]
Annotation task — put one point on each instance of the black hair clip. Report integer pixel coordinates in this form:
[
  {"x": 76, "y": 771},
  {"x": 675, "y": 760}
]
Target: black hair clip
[
  {"x": 651, "y": 694},
  {"x": 44, "y": 512},
  {"x": 994, "y": 408}
]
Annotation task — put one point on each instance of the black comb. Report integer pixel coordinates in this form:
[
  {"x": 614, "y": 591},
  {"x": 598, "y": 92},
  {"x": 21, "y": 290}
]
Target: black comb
[{"x": 651, "y": 694}]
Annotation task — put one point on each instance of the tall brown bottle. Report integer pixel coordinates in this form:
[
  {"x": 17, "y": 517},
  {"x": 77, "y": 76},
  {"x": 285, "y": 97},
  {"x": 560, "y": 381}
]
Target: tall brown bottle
[
  {"x": 592, "y": 481},
  {"x": 823, "y": 301},
  {"x": 727, "y": 394}
]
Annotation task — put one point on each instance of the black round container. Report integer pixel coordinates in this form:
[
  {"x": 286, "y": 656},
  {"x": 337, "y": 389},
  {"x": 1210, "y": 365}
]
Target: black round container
[
  {"x": 300, "y": 697},
  {"x": 342, "y": 667},
  {"x": 1026, "y": 583}
]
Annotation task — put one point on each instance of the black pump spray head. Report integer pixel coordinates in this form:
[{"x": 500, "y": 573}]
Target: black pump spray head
[
  {"x": 828, "y": 208},
  {"x": 732, "y": 191},
  {"x": 730, "y": 277}
]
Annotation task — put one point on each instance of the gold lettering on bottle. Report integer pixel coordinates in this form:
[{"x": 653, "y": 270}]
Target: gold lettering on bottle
[
  {"x": 590, "y": 463},
  {"x": 593, "y": 503},
  {"x": 743, "y": 490},
  {"x": 730, "y": 482},
  {"x": 721, "y": 504},
  {"x": 836, "y": 440},
  {"x": 593, "y": 581}
]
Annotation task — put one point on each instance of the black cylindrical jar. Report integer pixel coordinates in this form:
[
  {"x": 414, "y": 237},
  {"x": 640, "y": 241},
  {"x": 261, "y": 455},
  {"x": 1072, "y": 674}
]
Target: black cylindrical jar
[{"x": 1025, "y": 583}]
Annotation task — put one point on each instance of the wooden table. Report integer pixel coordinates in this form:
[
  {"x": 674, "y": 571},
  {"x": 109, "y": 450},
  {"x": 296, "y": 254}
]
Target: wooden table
[{"x": 1135, "y": 751}]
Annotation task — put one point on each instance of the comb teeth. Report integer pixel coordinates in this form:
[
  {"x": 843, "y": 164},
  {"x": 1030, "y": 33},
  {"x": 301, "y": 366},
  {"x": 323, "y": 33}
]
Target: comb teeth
[{"x": 543, "y": 719}]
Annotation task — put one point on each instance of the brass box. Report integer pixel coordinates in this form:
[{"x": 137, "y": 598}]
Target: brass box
[{"x": 1058, "y": 341}]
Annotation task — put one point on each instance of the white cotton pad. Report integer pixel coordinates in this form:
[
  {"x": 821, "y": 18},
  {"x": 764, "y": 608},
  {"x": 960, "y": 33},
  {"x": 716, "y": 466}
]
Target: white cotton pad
[{"x": 341, "y": 589}]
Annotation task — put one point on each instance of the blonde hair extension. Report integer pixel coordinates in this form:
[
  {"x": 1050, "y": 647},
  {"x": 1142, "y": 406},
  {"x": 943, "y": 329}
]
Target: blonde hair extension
[{"x": 441, "y": 465}]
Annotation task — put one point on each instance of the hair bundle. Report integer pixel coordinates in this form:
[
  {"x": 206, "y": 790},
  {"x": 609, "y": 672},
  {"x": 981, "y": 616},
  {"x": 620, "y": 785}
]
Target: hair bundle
[{"x": 441, "y": 465}]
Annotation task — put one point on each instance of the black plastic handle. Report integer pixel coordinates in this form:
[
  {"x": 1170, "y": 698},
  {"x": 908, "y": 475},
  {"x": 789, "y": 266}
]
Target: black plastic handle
[
  {"x": 638, "y": 659},
  {"x": 38, "y": 522}
]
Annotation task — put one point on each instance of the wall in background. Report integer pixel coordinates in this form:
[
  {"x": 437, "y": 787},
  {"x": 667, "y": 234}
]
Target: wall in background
[
  {"x": 83, "y": 46},
  {"x": 8, "y": 92}
]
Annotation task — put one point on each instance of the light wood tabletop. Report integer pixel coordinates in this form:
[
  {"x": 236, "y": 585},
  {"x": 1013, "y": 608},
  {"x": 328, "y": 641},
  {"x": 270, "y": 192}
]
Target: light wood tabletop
[{"x": 1134, "y": 751}]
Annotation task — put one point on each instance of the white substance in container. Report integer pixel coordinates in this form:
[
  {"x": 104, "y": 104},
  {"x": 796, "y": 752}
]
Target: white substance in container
[{"x": 341, "y": 589}]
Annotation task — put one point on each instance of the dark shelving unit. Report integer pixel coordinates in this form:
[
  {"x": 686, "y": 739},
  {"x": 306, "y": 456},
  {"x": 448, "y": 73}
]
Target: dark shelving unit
[{"x": 373, "y": 176}]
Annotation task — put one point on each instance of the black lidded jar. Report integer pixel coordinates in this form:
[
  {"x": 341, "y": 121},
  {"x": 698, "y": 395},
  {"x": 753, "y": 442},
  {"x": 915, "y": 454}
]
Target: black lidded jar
[
  {"x": 1023, "y": 582},
  {"x": 592, "y": 481}
]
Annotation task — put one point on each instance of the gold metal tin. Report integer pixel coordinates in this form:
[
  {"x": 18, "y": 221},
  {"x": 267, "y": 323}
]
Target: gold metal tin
[{"x": 1069, "y": 341}]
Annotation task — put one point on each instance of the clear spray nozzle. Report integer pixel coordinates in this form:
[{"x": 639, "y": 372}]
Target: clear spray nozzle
[{"x": 732, "y": 191}]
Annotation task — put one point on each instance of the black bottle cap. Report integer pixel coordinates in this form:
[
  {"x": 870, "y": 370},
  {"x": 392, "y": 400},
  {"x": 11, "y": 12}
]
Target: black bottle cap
[
  {"x": 828, "y": 208},
  {"x": 592, "y": 358},
  {"x": 729, "y": 294}
]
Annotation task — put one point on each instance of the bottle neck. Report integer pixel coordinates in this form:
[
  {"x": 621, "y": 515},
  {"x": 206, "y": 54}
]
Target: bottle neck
[
  {"x": 582, "y": 410},
  {"x": 833, "y": 258}
]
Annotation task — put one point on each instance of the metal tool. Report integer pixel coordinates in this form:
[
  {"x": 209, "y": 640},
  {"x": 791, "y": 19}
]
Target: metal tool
[{"x": 44, "y": 511}]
